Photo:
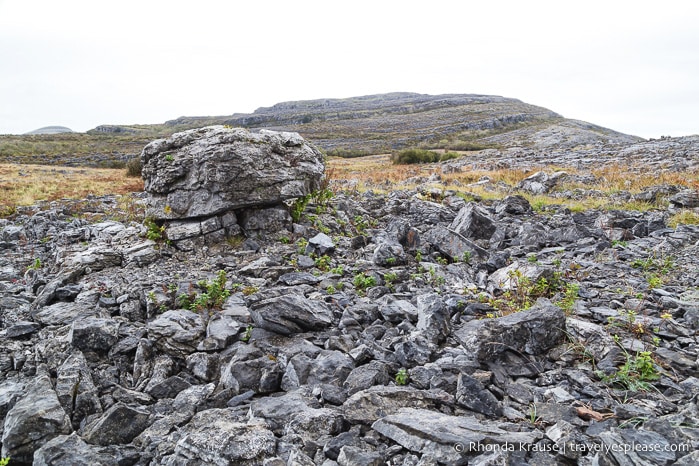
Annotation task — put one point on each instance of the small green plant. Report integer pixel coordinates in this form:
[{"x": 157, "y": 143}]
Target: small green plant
[
  {"x": 330, "y": 289},
  {"x": 523, "y": 292},
  {"x": 466, "y": 257},
  {"x": 298, "y": 206},
  {"x": 36, "y": 265},
  {"x": 533, "y": 418},
  {"x": 360, "y": 224},
  {"x": 654, "y": 280},
  {"x": 301, "y": 245},
  {"x": 619, "y": 243},
  {"x": 4, "y": 461},
  {"x": 442, "y": 260},
  {"x": 390, "y": 261},
  {"x": 636, "y": 373},
  {"x": 402, "y": 376},
  {"x": 321, "y": 198},
  {"x": 284, "y": 240},
  {"x": 154, "y": 232},
  {"x": 418, "y": 256},
  {"x": 570, "y": 295},
  {"x": 169, "y": 158},
  {"x": 247, "y": 334},
  {"x": 213, "y": 297},
  {"x": 323, "y": 262},
  {"x": 532, "y": 259},
  {"x": 320, "y": 226},
  {"x": 390, "y": 278},
  {"x": 363, "y": 281},
  {"x": 339, "y": 270}
]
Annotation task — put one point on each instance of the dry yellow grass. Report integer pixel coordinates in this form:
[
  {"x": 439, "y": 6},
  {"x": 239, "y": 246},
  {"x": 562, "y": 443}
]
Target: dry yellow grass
[
  {"x": 23, "y": 185},
  {"x": 379, "y": 174}
]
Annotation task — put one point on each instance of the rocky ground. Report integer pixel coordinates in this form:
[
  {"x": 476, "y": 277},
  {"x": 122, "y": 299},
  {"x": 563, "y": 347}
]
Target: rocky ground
[{"x": 411, "y": 328}]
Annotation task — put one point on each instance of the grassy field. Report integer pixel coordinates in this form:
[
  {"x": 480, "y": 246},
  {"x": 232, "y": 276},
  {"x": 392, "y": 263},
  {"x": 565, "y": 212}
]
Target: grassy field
[{"x": 25, "y": 185}]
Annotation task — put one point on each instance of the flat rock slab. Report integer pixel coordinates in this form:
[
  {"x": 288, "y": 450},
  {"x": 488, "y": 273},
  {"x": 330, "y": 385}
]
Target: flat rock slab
[
  {"x": 207, "y": 171},
  {"x": 374, "y": 403},
  {"x": 444, "y": 438}
]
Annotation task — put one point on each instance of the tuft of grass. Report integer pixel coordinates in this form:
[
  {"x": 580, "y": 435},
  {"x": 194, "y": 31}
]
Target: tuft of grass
[{"x": 683, "y": 217}]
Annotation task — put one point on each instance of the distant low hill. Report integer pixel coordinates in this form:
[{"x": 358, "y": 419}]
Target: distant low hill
[
  {"x": 347, "y": 127},
  {"x": 51, "y": 130}
]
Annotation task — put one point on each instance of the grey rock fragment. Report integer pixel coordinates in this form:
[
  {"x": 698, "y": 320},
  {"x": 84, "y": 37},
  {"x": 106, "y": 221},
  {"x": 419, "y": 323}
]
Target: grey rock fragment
[
  {"x": 290, "y": 314},
  {"x": 533, "y": 332},
  {"x": 177, "y": 332},
  {"x": 94, "y": 334},
  {"x": 34, "y": 420},
  {"x": 120, "y": 424},
  {"x": 443, "y": 438},
  {"x": 217, "y": 436}
]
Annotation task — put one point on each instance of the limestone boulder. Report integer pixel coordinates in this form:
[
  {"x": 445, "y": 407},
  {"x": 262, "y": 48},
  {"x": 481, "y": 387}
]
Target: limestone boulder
[{"x": 207, "y": 171}]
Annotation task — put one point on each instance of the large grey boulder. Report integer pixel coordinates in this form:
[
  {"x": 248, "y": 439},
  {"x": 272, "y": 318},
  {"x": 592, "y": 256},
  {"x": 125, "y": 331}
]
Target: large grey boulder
[
  {"x": 120, "y": 424},
  {"x": 207, "y": 171},
  {"x": 71, "y": 450}
]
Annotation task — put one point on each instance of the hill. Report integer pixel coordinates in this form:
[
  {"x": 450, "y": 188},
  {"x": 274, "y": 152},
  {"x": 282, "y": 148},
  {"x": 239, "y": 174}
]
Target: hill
[
  {"x": 346, "y": 127},
  {"x": 51, "y": 130}
]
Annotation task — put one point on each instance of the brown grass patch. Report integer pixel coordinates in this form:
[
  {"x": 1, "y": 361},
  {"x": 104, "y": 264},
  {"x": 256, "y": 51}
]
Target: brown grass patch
[{"x": 24, "y": 185}]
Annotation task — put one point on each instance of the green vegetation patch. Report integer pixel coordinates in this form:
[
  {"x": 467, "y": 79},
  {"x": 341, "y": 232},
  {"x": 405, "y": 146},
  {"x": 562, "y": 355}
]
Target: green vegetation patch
[{"x": 411, "y": 156}]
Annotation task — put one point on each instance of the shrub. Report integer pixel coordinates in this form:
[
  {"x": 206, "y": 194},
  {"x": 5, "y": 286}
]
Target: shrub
[
  {"x": 349, "y": 153},
  {"x": 211, "y": 299},
  {"x": 134, "y": 168},
  {"x": 467, "y": 146},
  {"x": 410, "y": 156}
]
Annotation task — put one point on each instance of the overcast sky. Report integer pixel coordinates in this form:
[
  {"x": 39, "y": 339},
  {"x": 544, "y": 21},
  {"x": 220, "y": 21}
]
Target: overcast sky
[{"x": 632, "y": 66}]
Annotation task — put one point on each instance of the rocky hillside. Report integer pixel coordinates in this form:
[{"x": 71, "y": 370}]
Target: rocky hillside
[
  {"x": 410, "y": 328},
  {"x": 384, "y": 122}
]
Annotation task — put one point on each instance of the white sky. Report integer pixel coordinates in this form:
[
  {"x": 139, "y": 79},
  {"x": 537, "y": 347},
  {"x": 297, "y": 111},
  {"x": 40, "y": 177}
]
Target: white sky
[{"x": 632, "y": 66}]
